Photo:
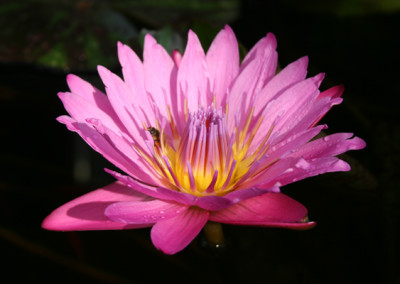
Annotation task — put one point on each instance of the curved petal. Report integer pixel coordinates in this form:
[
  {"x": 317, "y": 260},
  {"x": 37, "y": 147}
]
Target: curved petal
[
  {"x": 87, "y": 211},
  {"x": 174, "y": 234},
  {"x": 270, "y": 209},
  {"x": 223, "y": 64},
  {"x": 143, "y": 211}
]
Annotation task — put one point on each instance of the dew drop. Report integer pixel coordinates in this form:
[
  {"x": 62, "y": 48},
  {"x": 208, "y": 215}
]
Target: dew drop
[{"x": 302, "y": 164}]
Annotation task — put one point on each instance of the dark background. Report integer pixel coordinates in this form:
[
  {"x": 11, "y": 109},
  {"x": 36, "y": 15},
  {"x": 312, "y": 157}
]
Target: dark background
[{"x": 43, "y": 165}]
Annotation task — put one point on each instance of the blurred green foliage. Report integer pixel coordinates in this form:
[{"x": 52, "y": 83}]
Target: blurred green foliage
[{"x": 81, "y": 34}]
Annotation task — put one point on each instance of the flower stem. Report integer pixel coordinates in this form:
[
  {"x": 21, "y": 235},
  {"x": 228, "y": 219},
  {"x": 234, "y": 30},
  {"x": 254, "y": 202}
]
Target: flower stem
[{"x": 214, "y": 234}]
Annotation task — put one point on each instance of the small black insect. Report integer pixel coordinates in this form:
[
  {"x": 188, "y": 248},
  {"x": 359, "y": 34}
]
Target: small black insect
[{"x": 155, "y": 133}]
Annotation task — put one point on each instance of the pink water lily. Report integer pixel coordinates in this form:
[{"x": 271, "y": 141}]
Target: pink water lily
[{"x": 201, "y": 137}]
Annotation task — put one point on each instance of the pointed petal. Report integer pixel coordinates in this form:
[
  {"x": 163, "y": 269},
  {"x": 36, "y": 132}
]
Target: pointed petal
[
  {"x": 87, "y": 211},
  {"x": 269, "y": 41},
  {"x": 293, "y": 169},
  {"x": 129, "y": 107},
  {"x": 159, "y": 74},
  {"x": 288, "y": 110},
  {"x": 304, "y": 169},
  {"x": 330, "y": 145},
  {"x": 223, "y": 64},
  {"x": 177, "y": 57},
  {"x": 132, "y": 69},
  {"x": 334, "y": 92},
  {"x": 143, "y": 211},
  {"x": 293, "y": 143},
  {"x": 248, "y": 84},
  {"x": 81, "y": 109},
  {"x": 174, "y": 234},
  {"x": 193, "y": 75},
  {"x": 291, "y": 74},
  {"x": 101, "y": 144},
  {"x": 270, "y": 209},
  {"x": 91, "y": 94},
  {"x": 139, "y": 167}
]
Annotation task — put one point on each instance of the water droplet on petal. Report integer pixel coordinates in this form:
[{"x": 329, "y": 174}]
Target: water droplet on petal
[{"x": 303, "y": 164}]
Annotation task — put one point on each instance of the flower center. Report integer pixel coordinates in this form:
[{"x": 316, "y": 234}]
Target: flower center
[{"x": 205, "y": 159}]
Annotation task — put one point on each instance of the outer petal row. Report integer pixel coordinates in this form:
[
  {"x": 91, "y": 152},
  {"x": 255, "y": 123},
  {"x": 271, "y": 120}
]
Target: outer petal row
[
  {"x": 87, "y": 211},
  {"x": 211, "y": 203},
  {"x": 270, "y": 209}
]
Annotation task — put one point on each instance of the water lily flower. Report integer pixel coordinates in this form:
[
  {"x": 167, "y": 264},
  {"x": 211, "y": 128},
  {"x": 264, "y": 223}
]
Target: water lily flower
[{"x": 201, "y": 137}]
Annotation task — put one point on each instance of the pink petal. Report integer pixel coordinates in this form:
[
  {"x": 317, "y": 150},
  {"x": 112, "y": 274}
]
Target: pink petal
[
  {"x": 174, "y": 234},
  {"x": 269, "y": 41},
  {"x": 330, "y": 145},
  {"x": 102, "y": 145},
  {"x": 288, "y": 110},
  {"x": 213, "y": 202},
  {"x": 206, "y": 203},
  {"x": 248, "y": 84},
  {"x": 193, "y": 75},
  {"x": 223, "y": 63},
  {"x": 303, "y": 169},
  {"x": 293, "y": 142},
  {"x": 160, "y": 76},
  {"x": 81, "y": 109},
  {"x": 291, "y": 74},
  {"x": 127, "y": 106},
  {"x": 246, "y": 193},
  {"x": 277, "y": 153},
  {"x": 91, "y": 94},
  {"x": 143, "y": 211},
  {"x": 132, "y": 69},
  {"x": 177, "y": 57},
  {"x": 308, "y": 115},
  {"x": 154, "y": 191},
  {"x": 87, "y": 211},
  {"x": 293, "y": 169},
  {"x": 270, "y": 209},
  {"x": 334, "y": 92},
  {"x": 139, "y": 167},
  {"x": 295, "y": 102}
]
